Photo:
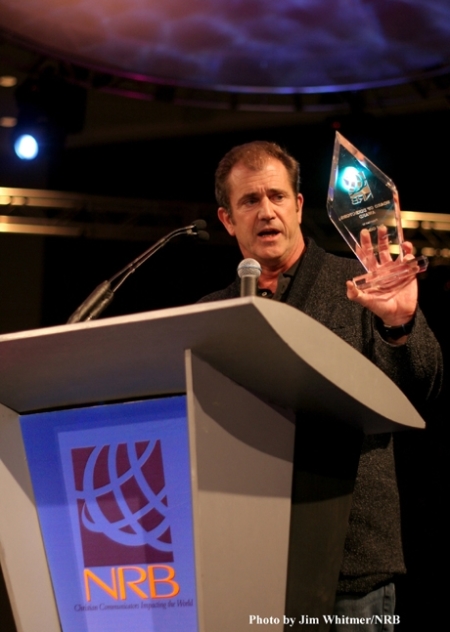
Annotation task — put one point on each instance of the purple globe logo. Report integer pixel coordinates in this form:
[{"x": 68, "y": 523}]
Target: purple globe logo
[{"x": 122, "y": 503}]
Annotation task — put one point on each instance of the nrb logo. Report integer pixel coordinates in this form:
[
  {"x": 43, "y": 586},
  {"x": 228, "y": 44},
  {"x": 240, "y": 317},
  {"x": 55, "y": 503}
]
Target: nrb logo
[{"x": 122, "y": 504}]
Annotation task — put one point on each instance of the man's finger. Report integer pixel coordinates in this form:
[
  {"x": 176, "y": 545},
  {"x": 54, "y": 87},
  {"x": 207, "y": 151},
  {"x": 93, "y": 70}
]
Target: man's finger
[
  {"x": 368, "y": 256},
  {"x": 383, "y": 245},
  {"x": 407, "y": 248}
]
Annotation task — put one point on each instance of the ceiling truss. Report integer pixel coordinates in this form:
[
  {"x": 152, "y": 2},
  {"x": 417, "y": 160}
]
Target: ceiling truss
[{"x": 55, "y": 213}]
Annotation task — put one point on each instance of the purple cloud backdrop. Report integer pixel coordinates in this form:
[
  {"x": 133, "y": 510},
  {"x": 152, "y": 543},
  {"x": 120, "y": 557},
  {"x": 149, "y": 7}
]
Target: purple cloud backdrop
[{"x": 306, "y": 44}]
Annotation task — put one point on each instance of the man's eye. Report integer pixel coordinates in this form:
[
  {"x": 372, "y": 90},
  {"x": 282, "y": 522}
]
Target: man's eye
[{"x": 278, "y": 197}]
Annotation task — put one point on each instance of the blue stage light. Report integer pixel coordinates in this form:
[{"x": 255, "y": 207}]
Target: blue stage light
[{"x": 26, "y": 147}]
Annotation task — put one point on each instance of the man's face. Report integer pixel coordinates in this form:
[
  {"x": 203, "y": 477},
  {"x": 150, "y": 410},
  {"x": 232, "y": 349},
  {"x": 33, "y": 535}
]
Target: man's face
[{"x": 265, "y": 214}]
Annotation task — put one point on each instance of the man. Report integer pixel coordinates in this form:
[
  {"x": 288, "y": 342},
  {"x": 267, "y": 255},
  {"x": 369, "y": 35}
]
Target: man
[{"x": 257, "y": 189}]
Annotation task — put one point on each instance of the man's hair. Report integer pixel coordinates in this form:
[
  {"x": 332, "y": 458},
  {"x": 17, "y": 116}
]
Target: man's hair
[{"x": 254, "y": 156}]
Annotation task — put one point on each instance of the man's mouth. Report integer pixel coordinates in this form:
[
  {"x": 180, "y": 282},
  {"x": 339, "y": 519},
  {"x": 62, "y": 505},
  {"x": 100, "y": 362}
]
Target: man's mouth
[{"x": 268, "y": 232}]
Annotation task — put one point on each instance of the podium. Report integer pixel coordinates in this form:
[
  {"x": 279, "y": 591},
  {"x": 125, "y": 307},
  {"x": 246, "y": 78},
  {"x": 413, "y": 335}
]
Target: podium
[{"x": 244, "y": 370}]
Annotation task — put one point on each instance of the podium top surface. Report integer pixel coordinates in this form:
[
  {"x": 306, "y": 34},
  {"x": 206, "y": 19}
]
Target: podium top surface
[{"x": 270, "y": 348}]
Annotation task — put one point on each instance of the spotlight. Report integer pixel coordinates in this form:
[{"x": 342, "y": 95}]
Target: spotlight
[{"x": 26, "y": 147}]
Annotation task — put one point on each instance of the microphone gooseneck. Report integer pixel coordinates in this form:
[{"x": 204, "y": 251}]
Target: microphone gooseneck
[{"x": 103, "y": 294}]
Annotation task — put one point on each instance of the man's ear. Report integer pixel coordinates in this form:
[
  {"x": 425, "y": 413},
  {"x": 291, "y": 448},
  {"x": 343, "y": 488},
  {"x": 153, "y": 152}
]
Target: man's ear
[
  {"x": 299, "y": 207},
  {"x": 226, "y": 219}
]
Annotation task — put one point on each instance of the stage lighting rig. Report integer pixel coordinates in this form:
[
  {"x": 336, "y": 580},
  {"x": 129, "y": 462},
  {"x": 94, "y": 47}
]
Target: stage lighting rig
[{"x": 49, "y": 108}]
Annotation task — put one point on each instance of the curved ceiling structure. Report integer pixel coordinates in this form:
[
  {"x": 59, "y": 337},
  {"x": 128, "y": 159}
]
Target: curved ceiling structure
[{"x": 242, "y": 45}]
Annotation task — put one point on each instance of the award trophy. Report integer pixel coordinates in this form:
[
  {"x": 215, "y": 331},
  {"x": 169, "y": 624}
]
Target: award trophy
[{"x": 364, "y": 206}]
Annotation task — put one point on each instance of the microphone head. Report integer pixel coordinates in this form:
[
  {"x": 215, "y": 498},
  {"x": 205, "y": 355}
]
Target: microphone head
[
  {"x": 249, "y": 267},
  {"x": 199, "y": 224},
  {"x": 203, "y": 235}
]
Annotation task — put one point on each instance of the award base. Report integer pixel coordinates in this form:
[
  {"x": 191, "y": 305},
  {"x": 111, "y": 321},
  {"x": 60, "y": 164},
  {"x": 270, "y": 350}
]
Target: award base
[{"x": 390, "y": 276}]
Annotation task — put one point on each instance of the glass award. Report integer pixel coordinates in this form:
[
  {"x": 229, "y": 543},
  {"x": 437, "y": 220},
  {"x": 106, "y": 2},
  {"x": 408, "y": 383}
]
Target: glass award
[{"x": 364, "y": 206}]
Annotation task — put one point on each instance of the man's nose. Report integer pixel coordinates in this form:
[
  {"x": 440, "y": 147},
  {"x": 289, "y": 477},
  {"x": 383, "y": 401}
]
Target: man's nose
[{"x": 266, "y": 209}]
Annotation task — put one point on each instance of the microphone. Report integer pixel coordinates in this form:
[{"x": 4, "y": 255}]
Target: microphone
[
  {"x": 197, "y": 228},
  {"x": 249, "y": 272},
  {"x": 103, "y": 294}
]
